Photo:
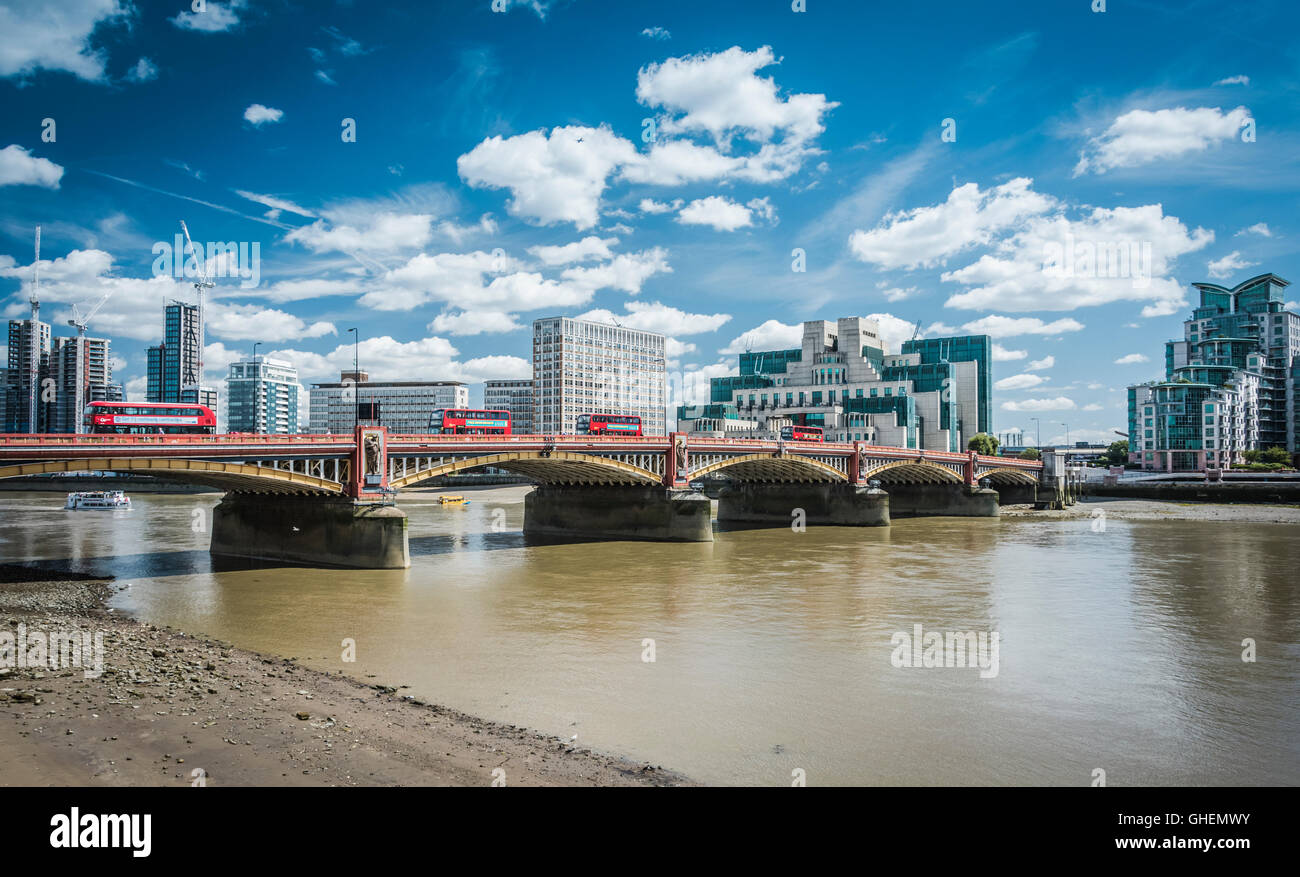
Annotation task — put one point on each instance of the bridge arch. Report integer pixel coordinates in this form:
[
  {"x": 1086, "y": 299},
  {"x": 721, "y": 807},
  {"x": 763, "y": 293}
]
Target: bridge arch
[
  {"x": 209, "y": 473},
  {"x": 913, "y": 472},
  {"x": 555, "y": 467},
  {"x": 772, "y": 467},
  {"x": 1007, "y": 475}
]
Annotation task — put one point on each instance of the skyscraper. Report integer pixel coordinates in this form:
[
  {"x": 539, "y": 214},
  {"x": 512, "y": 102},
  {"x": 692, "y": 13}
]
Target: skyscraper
[
  {"x": 172, "y": 373},
  {"x": 28, "y": 360},
  {"x": 581, "y": 367},
  {"x": 66, "y": 369}
]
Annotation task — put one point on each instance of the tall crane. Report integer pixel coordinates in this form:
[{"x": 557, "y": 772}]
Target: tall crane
[
  {"x": 200, "y": 284},
  {"x": 34, "y": 339},
  {"x": 80, "y": 323}
]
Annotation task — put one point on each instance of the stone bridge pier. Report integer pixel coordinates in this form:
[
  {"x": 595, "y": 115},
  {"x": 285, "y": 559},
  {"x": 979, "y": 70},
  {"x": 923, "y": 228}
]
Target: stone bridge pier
[
  {"x": 781, "y": 504},
  {"x": 616, "y": 512}
]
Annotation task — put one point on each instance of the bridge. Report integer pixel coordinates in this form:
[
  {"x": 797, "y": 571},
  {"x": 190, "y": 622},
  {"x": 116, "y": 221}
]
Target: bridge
[{"x": 330, "y": 498}]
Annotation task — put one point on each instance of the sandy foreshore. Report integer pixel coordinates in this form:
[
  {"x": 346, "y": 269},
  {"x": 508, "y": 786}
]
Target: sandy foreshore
[
  {"x": 1164, "y": 510},
  {"x": 173, "y": 708}
]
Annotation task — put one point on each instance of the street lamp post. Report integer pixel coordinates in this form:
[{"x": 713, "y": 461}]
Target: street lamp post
[
  {"x": 1039, "y": 426},
  {"x": 1067, "y": 432},
  {"x": 356, "y": 398}
]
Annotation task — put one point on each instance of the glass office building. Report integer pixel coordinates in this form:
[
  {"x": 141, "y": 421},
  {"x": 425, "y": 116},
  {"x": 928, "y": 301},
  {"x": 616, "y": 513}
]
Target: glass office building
[
  {"x": 262, "y": 396},
  {"x": 402, "y": 406},
  {"x": 172, "y": 367},
  {"x": 515, "y": 397},
  {"x": 934, "y": 394}
]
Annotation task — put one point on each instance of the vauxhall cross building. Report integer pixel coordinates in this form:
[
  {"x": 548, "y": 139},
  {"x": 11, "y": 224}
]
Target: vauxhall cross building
[
  {"x": 934, "y": 394},
  {"x": 1231, "y": 384}
]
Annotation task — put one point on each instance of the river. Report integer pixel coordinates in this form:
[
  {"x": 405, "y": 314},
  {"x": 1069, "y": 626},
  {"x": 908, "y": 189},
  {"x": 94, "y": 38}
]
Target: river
[{"x": 1119, "y": 647}]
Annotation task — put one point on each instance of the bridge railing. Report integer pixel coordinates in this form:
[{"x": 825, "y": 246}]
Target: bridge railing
[{"x": 171, "y": 439}]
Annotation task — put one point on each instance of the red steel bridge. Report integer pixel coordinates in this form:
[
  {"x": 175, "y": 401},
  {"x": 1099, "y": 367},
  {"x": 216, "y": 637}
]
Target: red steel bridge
[
  {"x": 333, "y": 465},
  {"x": 329, "y": 499}
]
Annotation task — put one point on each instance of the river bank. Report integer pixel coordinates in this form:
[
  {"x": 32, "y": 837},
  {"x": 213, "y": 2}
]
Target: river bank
[
  {"x": 173, "y": 708},
  {"x": 1163, "y": 510}
]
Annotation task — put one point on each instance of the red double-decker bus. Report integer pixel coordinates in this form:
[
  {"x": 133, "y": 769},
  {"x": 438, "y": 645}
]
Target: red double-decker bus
[
  {"x": 469, "y": 421},
  {"x": 802, "y": 433},
  {"x": 608, "y": 424},
  {"x": 136, "y": 418}
]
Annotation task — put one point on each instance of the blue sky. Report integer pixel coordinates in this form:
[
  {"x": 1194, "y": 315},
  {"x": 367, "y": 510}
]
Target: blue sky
[{"x": 658, "y": 163}]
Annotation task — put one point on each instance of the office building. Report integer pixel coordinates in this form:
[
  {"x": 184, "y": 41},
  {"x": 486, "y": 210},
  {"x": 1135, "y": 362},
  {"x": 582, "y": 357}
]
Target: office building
[
  {"x": 401, "y": 406},
  {"x": 1230, "y": 384},
  {"x": 262, "y": 396},
  {"x": 65, "y": 369},
  {"x": 515, "y": 397},
  {"x": 582, "y": 367},
  {"x": 172, "y": 367},
  {"x": 27, "y": 363},
  {"x": 935, "y": 394}
]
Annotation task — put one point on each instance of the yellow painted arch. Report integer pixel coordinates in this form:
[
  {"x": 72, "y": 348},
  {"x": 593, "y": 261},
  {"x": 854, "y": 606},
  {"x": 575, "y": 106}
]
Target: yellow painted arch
[
  {"x": 1007, "y": 475},
  {"x": 797, "y": 459},
  {"x": 535, "y": 466},
  {"x": 916, "y": 467},
  {"x": 226, "y": 476}
]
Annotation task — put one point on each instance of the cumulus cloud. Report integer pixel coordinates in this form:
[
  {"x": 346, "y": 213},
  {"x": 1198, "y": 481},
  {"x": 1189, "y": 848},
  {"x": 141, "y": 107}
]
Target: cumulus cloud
[
  {"x": 474, "y": 322},
  {"x": 258, "y": 115},
  {"x": 216, "y": 17},
  {"x": 1259, "y": 228},
  {"x": 143, "y": 71},
  {"x": 1131, "y": 359},
  {"x": 387, "y": 359},
  {"x": 717, "y": 212},
  {"x": 253, "y": 322},
  {"x": 1058, "y": 403},
  {"x": 37, "y": 35},
  {"x": 18, "y": 167},
  {"x": 1221, "y": 269},
  {"x": 657, "y": 33},
  {"x": 1019, "y": 382},
  {"x": 1142, "y": 136},
  {"x": 591, "y": 247},
  {"x": 658, "y": 317},
  {"x": 770, "y": 335},
  {"x": 999, "y": 326},
  {"x": 377, "y": 233},
  {"x": 1041, "y": 364},
  {"x": 1002, "y": 354}
]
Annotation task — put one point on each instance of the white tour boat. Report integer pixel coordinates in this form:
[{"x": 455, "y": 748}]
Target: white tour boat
[{"x": 98, "y": 499}]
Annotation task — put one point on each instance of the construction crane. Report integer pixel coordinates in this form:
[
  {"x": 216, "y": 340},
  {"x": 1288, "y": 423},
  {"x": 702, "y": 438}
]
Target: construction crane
[
  {"x": 33, "y": 341},
  {"x": 916, "y": 331},
  {"x": 80, "y": 323},
  {"x": 200, "y": 284}
]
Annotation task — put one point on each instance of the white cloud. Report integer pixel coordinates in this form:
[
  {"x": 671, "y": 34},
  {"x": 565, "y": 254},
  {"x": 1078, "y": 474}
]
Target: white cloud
[
  {"x": 894, "y": 330},
  {"x": 657, "y": 317},
  {"x": 1002, "y": 354},
  {"x": 1131, "y": 358},
  {"x": 216, "y": 17},
  {"x": 256, "y": 114},
  {"x": 1093, "y": 406},
  {"x": 1059, "y": 403},
  {"x": 649, "y": 205},
  {"x": 387, "y": 359},
  {"x": 474, "y": 322},
  {"x": 896, "y": 293},
  {"x": 1019, "y": 382},
  {"x": 552, "y": 178},
  {"x": 1041, "y": 364},
  {"x": 255, "y": 323},
  {"x": 143, "y": 71},
  {"x": 591, "y": 247},
  {"x": 771, "y": 335},
  {"x": 1239, "y": 79},
  {"x": 657, "y": 33},
  {"x": 627, "y": 272},
  {"x": 1259, "y": 228},
  {"x": 717, "y": 212},
  {"x": 18, "y": 167},
  {"x": 1230, "y": 264},
  {"x": 999, "y": 326},
  {"x": 38, "y": 35},
  {"x": 377, "y": 233},
  {"x": 1141, "y": 136},
  {"x": 927, "y": 236}
]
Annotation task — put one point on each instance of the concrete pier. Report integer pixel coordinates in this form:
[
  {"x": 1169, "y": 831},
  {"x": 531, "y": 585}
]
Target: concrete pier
[
  {"x": 648, "y": 513},
  {"x": 311, "y": 531},
  {"x": 941, "y": 500},
  {"x": 844, "y": 505}
]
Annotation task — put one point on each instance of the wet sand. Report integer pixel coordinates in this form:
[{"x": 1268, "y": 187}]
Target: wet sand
[
  {"x": 1164, "y": 510},
  {"x": 171, "y": 708}
]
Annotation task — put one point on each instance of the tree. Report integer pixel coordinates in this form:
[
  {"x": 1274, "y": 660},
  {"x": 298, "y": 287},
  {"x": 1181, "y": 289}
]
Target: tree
[
  {"x": 983, "y": 444},
  {"x": 1031, "y": 454},
  {"x": 1116, "y": 454},
  {"x": 1276, "y": 455}
]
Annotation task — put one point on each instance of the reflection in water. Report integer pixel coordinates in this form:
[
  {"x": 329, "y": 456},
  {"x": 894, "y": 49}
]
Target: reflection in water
[{"x": 1119, "y": 650}]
